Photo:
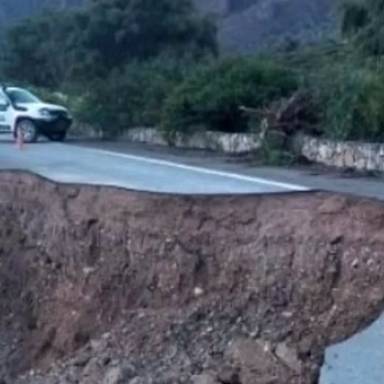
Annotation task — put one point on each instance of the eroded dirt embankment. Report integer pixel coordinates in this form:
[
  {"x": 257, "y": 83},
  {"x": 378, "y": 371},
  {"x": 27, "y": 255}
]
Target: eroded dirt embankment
[{"x": 99, "y": 285}]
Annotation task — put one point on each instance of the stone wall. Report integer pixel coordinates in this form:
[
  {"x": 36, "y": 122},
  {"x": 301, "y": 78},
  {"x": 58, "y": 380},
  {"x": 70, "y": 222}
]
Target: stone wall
[
  {"x": 215, "y": 141},
  {"x": 353, "y": 155},
  {"x": 84, "y": 131}
]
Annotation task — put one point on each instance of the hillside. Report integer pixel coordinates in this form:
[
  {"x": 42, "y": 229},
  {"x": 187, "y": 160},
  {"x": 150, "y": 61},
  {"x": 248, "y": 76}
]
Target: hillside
[
  {"x": 12, "y": 10},
  {"x": 249, "y": 25},
  {"x": 244, "y": 25}
]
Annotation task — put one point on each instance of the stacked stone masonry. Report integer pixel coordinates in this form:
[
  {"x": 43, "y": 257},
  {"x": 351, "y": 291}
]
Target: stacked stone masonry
[
  {"x": 216, "y": 141},
  {"x": 348, "y": 154}
]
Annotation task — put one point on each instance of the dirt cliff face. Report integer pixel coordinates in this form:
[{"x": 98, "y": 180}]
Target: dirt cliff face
[{"x": 101, "y": 285}]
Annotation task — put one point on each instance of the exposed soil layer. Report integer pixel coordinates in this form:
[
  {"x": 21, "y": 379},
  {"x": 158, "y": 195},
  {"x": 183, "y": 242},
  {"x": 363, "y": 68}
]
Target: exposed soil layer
[{"x": 101, "y": 285}]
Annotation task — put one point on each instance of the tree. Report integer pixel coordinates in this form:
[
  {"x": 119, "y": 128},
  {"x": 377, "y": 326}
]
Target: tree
[
  {"x": 355, "y": 17},
  {"x": 210, "y": 97},
  {"x": 106, "y": 35},
  {"x": 37, "y": 50},
  {"x": 363, "y": 22},
  {"x": 117, "y": 31}
]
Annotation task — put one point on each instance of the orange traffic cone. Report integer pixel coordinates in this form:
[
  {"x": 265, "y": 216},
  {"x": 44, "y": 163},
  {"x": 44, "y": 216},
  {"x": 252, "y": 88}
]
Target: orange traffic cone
[{"x": 20, "y": 140}]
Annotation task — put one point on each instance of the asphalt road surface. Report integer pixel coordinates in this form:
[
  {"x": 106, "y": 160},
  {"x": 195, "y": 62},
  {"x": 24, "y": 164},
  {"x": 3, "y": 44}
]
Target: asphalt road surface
[
  {"x": 359, "y": 360},
  {"x": 76, "y": 164}
]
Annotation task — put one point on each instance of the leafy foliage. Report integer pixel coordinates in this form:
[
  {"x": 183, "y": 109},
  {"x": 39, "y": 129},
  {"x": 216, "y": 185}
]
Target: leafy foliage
[
  {"x": 36, "y": 51},
  {"x": 363, "y": 20},
  {"x": 85, "y": 44},
  {"x": 133, "y": 96},
  {"x": 211, "y": 97},
  {"x": 351, "y": 99}
]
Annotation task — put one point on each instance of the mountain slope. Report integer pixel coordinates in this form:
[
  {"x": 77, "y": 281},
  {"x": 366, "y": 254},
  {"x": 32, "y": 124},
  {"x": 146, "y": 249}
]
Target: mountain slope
[
  {"x": 12, "y": 10},
  {"x": 250, "y": 25},
  {"x": 244, "y": 25}
]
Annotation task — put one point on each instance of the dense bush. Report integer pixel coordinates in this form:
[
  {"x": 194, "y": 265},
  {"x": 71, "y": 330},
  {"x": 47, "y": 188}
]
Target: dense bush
[
  {"x": 211, "y": 96},
  {"x": 37, "y": 51},
  {"x": 130, "y": 97},
  {"x": 88, "y": 43},
  {"x": 350, "y": 98},
  {"x": 53, "y": 97},
  {"x": 363, "y": 24}
]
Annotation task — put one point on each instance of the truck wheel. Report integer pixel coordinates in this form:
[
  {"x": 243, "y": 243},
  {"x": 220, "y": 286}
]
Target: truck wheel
[{"x": 28, "y": 129}]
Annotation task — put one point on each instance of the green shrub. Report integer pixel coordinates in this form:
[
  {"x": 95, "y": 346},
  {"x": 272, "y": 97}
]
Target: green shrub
[
  {"x": 51, "y": 97},
  {"x": 363, "y": 24},
  {"x": 79, "y": 44},
  {"x": 211, "y": 96},
  {"x": 129, "y": 98},
  {"x": 350, "y": 98}
]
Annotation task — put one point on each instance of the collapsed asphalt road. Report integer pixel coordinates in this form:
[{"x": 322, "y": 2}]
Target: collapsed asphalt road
[
  {"x": 100, "y": 285},
  {"x": 65, "y": 163},
  {"x": 144, "y": 171},
  {"x": 357, "y": 360},
  {"x": 171, "y": 171}
]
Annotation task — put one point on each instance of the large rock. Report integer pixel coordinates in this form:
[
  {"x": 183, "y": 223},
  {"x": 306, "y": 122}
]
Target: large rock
[
  {"x": 204, "y": 379},
  {"x": 120, "y": 374},
  {"x": 258, "y": 363}
]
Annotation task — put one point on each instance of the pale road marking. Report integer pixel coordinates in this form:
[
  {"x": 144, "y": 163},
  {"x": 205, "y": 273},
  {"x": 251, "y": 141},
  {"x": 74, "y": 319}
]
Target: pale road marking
[{"x": 205, "y": 171}]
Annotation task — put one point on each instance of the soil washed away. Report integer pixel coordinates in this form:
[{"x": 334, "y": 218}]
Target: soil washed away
[{"x": 106, "y": 286}]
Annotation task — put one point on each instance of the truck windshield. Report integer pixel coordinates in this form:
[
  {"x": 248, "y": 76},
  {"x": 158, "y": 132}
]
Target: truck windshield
[{"x": 21, "y": 96}]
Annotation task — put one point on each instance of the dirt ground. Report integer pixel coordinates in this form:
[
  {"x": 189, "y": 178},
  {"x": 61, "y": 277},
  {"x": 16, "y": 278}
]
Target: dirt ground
[{"x": 105, "y": 286}]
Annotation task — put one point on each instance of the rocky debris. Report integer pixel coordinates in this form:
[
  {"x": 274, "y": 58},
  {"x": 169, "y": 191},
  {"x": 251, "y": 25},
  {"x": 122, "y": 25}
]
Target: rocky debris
[
  {"x": 229, "y": 375},
  {"x": 257, "y": 361},
  {"x": 119, "y": 374},
  {"x": 204, "y": 378},
  {"x": 101, "y": 285},
  {"x": 289, "y": 357}
]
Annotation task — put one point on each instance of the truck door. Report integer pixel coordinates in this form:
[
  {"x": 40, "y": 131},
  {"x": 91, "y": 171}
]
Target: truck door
[{"x": 5, "y": 113}]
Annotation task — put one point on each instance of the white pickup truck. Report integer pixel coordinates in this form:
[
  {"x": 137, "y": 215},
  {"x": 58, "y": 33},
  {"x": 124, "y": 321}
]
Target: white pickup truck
[{"x": 22, "y": 112}]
